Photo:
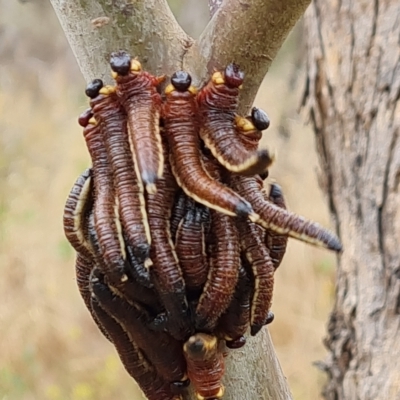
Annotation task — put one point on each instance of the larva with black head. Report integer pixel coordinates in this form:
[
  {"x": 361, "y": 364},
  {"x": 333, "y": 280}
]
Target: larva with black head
[
  {"x": 275, "y": 242},
  {"x": 105, "y": 210},
  {"x": 127, "y": 186},
  {"x": 281, "y": 221},
  {"x": 166, "y": 271},
  {"x": 224, "y": 263},
  {"x": 191, "y": 248},
  {"x": 249, "y": 129},
  {"x": 234, "y": 322},
  {"x": 205, "y": 366},
  {"x": 218, "y": 103},
  {"x": 133, "y": 359},
  {"x": 262, "y": 268},
  {"x": 180, "y": 119},
  {"x": 137, "y": 92},
  {"x": 160, "y": 348}
]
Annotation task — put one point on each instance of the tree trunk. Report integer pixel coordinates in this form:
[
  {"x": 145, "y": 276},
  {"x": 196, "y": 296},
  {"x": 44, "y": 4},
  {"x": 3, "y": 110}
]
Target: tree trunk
[
  {"x": 250, "y": 32},
  {"x": 352, "y": 97}
]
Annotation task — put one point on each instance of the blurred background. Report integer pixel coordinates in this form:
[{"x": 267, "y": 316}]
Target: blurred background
[{"x": 49, "y": 347}]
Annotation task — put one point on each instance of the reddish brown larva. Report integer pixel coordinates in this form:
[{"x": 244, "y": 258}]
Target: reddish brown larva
[
  {"x": 181, "y": 130},
  {"x": 276, "y": 243},
  {"x": 127, "y": 187},
  {"x": 224, "y": 265},
  {"x": 78, "y": 204},
  {"x": 234, "y": 322},
  {"x": 218, "y": 102},
  {"x": 205, "y": 366},
  {"x": 191, "y": 248},
  {"x": 166, "y": 271},
  {"x": 282, "y": 221},
  {"x": 257, "y": 255},
  {"x": 107, "y": 224},
  {"x": 137, "y": 92}
]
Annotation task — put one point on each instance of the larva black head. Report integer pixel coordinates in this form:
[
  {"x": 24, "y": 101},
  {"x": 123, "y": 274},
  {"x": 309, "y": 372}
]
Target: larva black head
[
  {"x": 181, "y": 81},
  {"x": 260, "y": 118},
  {"x": 120, "y": 62},
  {"x": 196, "y": 346},
  {"x": 84, "y": 118},
  {"x": 233, "y": 76},
  {"x": 93, "y": 88}
]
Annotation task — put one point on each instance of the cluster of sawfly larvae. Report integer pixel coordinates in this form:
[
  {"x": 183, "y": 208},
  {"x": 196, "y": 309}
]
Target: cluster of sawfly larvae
[{"x": 177, "y": 240}]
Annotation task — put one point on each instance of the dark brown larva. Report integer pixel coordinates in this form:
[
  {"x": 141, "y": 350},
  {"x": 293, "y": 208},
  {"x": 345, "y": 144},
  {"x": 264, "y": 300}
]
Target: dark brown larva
[
  {"x": 137, "y": 92},
  {"x": 166, "y": 271},
  {"x": 133, "y": 359},
  {"x": 205, "y": 366},
  {"x": 128, "y": 188},
  {"x": 224, "y": 263},
  {"x": 218, "y": 103},
  {"x": 161, "y": 349},
  {"x": 107, "y": 224},
  {"x": 275, "y": 242},
  {"x": 78, "y": 203},
  {"x": 191, "y": 248},
  {"x": 282, "y": 221},
  {"x": 257, "y": 255},
  {"x": 181, "y": 129},
  {"x": 129, "y": 288},
  {"x": 234, "y": 322}
]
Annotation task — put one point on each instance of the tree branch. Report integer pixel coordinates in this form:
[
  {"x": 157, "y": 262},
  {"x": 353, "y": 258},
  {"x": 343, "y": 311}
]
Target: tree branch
[
  {"x": 248, "y": 32},
  {"x": 147, "y": 28}
]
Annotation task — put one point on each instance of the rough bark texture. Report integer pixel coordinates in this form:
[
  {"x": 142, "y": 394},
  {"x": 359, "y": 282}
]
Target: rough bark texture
[
  {"x": 352, "y": 97},
  {"x": 249, "y": 32}
]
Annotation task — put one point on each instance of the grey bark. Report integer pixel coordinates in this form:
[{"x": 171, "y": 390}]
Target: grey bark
[
  {"x": 249, "y": 32},
  {"x": 352, "y": 97}
]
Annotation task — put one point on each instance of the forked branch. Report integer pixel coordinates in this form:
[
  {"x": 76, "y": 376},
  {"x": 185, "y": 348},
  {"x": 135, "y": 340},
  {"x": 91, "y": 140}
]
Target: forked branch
[{"x": 248, "y": 32}]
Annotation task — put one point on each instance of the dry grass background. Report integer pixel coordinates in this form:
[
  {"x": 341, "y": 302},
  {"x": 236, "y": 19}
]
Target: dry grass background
[{"x": 49, "y": 348}]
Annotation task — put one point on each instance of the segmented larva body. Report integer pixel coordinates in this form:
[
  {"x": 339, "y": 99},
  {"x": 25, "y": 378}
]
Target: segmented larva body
[
  {"x": 166, "y": 271},
  {"x": 191, "y": 248},
  {"x": 257, "y": 255},
  {"x": 161, "y": 349},
  {"x": 218, "y": 103},
  {"x": 107, "y": 224},
  {"x": 224, "y": 263},
  {"x": 182, "y": 133},
  {"x": 77, "y": 206},
  {"x": 128, "y": 188},
  {"x": 133, "y": 359},
  {"x": 282, "y": 221},
  {"x": 137, "y": 92},
  {"x": 275, "y": 242},
  {"x": 205, "y": 366},
  {"x": 234, "y": 322}
]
